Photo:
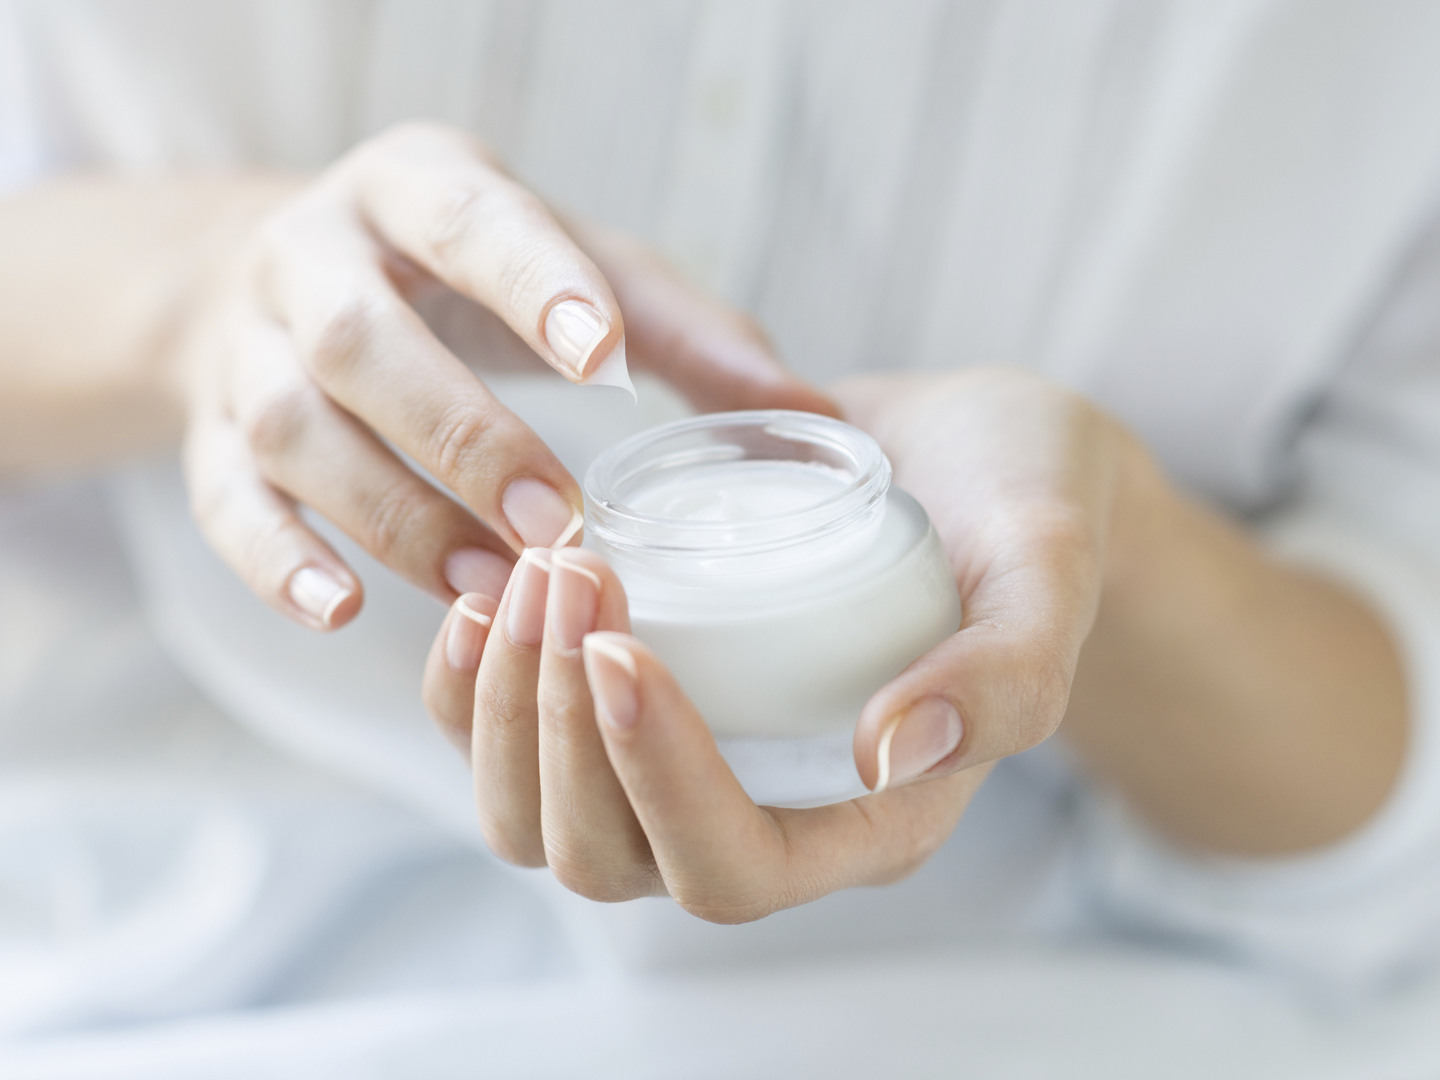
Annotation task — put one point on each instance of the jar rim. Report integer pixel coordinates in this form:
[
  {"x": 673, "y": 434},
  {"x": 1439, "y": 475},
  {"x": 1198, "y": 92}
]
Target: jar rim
[{"x": 732, "y": 436}]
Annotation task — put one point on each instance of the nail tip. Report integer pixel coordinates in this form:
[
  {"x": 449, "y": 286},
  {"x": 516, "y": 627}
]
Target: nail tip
[
  {"x": 882, "y": 757},
  {"x": 558, "y": 558},
  {"x": 611, "y": 651},
  {"x": 317, "y": 594},
  {"x": 328, "y": 616},
  {"x": 537, "y": 556},
  {"x": 473, "y": 615},
  {"x": 576, "y": 523}
]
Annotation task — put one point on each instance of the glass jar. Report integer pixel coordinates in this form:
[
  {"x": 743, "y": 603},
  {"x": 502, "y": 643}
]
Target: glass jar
[{"x": 772, "y": 566}]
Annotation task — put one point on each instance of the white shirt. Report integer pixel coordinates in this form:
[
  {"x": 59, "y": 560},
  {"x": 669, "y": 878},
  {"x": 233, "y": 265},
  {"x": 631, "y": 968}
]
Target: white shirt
[{"x": 1212, "y": 217}]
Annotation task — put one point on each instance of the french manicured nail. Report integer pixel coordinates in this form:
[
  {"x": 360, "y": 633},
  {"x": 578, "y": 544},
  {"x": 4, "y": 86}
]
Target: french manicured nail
[
  {"x": 475, "y": 570},
  {"x": 540, "y": 514},
  {"x": 525, "y": 621},
  {"x": 573, "y": 329},
  {"x": 317, "y": 593},
  {"x": 470, "y": 622},
  {"x": 574, "y": 597},
  {"x": 928, "y": 732},
  {"x": 610, "y": 670}
]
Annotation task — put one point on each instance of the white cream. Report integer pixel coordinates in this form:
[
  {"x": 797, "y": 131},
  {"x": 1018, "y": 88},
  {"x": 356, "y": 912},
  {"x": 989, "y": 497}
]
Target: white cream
[{"x": 771, "y": 566}]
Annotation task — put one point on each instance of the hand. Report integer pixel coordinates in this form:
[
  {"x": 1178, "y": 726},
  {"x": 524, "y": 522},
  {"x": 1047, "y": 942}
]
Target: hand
[
  {"x": 311, "y": 363},
  {"x": 1022, "y": 480},
  {"x": 588, "y": 758}
]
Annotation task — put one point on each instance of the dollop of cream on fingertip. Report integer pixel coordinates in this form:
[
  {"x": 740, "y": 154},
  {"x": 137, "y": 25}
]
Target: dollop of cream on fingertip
[{"x": 613, "y": 371}]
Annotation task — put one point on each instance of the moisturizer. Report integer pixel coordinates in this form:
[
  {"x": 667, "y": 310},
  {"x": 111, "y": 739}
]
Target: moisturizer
[{"x": 770, "y": 564}]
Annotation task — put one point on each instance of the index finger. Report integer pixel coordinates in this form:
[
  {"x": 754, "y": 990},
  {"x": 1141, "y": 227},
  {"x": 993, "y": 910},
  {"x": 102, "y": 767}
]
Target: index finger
[
  {"x": 374, "y": 356},
  {"x": 439, "y": 197}
]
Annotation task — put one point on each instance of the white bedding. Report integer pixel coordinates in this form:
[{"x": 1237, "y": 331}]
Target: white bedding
[{"x": 1105, "y": 1012}]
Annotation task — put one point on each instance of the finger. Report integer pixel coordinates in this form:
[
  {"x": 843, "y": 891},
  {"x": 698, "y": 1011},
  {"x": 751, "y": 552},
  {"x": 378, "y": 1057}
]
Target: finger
[
  {"x": 258, "y": 531},
  {"x": 371, "y": 354},
  {"x": 505, "y": 742},
  {"x": 716, "y": 356},
  {"x": 1001, "y": 684},
  {"x": 320, "y": 455},
  {"x": 593, "y": 842},
  {"x": 439, "y": 197},
  {"x": 448, "y": 689},
  {"x": 722, "y": 857}
]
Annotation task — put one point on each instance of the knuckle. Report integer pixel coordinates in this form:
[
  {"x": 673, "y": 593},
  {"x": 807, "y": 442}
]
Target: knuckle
[
  {"x": 459, "y": 223},
  {"x": 276, "y": 424},
  {"x": 474, "y": 212},
  {"x": 461, "y": 438},
  {"x": 345, "y": 333},
  {"x": 503, "y": 712},
  {"x": 396, "y": 514},
  {"x": 523, "y": 279},
  {"x": 563, "y": 711}
]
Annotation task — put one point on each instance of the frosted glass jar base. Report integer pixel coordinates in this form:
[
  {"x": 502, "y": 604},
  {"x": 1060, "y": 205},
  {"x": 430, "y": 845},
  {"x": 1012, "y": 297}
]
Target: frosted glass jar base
[{"x": 814, "y": 770}]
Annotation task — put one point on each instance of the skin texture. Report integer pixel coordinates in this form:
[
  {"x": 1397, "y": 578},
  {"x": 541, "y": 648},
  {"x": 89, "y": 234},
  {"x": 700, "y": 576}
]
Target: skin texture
[{"x": 289, "y": 330}]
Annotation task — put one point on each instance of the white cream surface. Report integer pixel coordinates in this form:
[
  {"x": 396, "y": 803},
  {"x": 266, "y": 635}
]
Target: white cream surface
[{"x": 739, "y": 491}]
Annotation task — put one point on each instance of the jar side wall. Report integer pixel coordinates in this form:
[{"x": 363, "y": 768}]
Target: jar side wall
[{"x": 810, "y": 669}]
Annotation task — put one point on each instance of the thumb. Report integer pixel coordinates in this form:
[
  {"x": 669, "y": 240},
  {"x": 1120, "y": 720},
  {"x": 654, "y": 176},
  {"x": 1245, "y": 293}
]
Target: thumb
[
  {"x": 716, "y": 356},
  {"x": 998, "y": 686}
]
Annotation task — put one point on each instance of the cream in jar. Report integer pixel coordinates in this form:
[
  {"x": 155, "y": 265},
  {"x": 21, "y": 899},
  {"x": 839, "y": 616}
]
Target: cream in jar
[{"x": 772, "y": 566}]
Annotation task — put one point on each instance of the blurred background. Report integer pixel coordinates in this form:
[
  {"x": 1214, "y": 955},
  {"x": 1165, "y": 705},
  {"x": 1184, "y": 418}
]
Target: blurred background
[{"x": 231, "y": 847}]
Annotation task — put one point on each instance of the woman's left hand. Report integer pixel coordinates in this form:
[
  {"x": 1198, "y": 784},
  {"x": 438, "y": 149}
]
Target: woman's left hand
[{"x": 588, "y": 757}]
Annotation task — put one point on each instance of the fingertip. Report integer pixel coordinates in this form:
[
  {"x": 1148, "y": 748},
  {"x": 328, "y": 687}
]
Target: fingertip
[
  {"x": 580, "y": 334},
  {"x": 323, "y": 597},
  {"x": 479, "y": 608},
  {"x": 614, "y": 678},
  {"x": 472, "y": 615},
  {"x": 613, "y": 610}
]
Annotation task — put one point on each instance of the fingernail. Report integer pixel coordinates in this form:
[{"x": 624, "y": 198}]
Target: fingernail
[
  {"x": 469, "y": 625},
  {"x": 610, "y": 670},
  {"x": 540, "y": 514},
  {"x": 317, "y": 593},
  {"x": 475, "y": 570},
  {"x": 572, "y": 330},
  {"x": 525, "y": 622},
  {"x": 574, "y": 597},
  {"x": 916, "y": 740}
]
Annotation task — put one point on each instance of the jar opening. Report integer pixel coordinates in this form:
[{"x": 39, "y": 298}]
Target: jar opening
[{"x": 736, "y": 491}]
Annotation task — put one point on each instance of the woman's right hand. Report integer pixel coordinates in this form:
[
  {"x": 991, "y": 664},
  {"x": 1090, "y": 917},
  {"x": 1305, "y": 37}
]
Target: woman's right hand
[{"x": 309, "y": 366}]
